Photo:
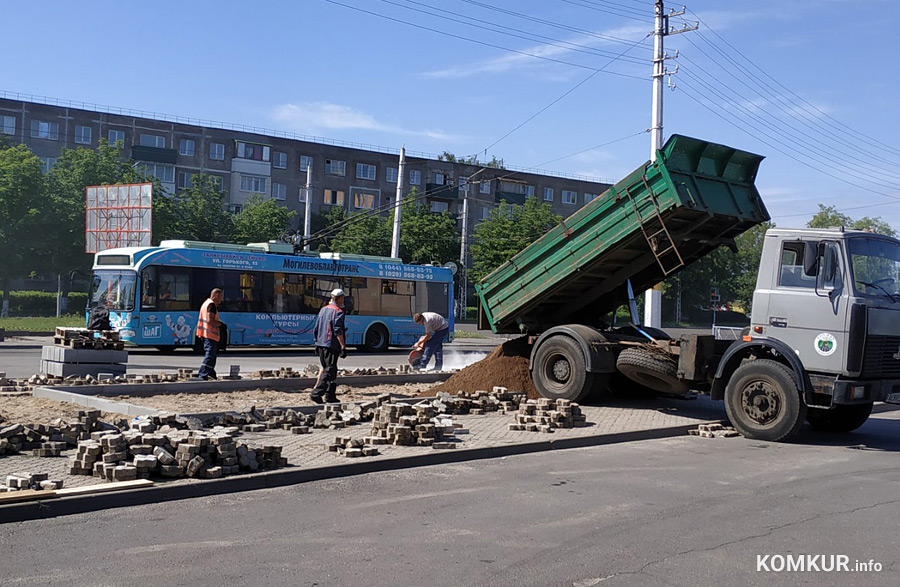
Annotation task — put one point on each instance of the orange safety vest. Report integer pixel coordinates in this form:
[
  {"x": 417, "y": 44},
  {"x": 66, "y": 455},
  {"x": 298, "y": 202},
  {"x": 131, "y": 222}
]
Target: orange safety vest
[{"x": 205, "y": 326}]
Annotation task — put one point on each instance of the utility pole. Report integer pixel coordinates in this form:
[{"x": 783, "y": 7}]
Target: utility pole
[
  {"x": 307, "y": 221},
  {"x": 463, "y": 277},
  {"x": 653, "y": 296},
  {"x": 401, "y": 173}
]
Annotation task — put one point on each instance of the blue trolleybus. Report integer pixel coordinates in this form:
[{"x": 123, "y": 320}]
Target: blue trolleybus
[{"x": 272, "y": 294}]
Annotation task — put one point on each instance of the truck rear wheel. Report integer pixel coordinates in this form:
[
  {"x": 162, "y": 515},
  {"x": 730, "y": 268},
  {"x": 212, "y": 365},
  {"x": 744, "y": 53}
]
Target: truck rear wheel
[
  {"x": 762, "y": 401},
  {"x": 559, "y": 370},
  {"x": 839, "y": 419},
  {"x": 651, "y": 370}
]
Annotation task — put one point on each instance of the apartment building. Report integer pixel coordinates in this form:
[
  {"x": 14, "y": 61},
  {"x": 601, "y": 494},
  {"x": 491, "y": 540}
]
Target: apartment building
[{"x": 249, "y": 161}]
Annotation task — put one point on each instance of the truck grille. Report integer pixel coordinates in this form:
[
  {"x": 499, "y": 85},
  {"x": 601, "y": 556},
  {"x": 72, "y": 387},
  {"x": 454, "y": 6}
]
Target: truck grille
[{"x": 878, "y": 359}]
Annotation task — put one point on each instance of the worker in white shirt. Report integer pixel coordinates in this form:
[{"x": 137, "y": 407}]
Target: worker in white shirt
[{"x": 436, "y": 330}]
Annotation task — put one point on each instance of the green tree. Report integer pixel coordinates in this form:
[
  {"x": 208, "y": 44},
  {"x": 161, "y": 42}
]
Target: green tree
[
  {"x": 198, "y": 213},
  {"x": 262, "y": 219},
  {"x": 508, "y": 230},
  {"x": 21, "y": 199},
  {"x": 363, "y": 233},
  {"x": 425, "y": 236},
  {"x": 828, "y": 217},
  {"x": 66, "y": 181}
]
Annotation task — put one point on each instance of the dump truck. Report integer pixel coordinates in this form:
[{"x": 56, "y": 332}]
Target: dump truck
[{"x": 824, "y": 338}]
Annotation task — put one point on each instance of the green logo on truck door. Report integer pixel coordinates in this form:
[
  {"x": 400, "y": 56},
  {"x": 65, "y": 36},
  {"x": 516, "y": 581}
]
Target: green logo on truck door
[{"x": 825, "y": 344}]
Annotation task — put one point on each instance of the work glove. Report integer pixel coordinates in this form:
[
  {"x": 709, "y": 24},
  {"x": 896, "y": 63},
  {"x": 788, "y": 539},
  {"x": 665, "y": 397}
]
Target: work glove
[{"x": 344, "y": 353}]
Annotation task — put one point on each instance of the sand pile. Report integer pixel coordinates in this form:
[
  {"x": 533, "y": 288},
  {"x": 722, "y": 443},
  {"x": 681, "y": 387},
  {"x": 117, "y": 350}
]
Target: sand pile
[{"x": 507, "y": 366}]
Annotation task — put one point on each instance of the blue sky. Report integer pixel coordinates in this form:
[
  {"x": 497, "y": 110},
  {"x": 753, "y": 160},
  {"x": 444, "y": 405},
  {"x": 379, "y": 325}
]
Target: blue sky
[{"x": 810, "y": 84}]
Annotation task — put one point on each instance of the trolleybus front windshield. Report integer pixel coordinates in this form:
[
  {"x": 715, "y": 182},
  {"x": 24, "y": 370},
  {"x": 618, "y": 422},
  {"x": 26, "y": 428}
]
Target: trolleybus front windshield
[{"x": 113, "y": 289}]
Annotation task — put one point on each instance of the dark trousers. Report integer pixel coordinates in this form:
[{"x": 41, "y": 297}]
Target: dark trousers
[
  {"x": 210, "y": 351},
  {"x": 435, "y": 346},
  {"x": 327, "y": 385}
]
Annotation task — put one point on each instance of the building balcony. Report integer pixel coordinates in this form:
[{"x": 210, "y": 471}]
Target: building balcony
[
  {"x": 154, "y": 154},
  {"x": 445, "y": 191},
  {"x": 509, "y": 197}
]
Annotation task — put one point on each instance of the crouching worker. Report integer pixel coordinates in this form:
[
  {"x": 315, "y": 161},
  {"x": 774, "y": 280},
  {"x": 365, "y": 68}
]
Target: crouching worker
[{"x": 436, "y": 331}]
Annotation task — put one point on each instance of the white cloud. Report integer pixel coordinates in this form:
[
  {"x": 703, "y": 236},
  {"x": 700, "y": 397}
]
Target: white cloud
[
  {"x": 315, "y": 117},
  {"x": 511, "y": 61}
]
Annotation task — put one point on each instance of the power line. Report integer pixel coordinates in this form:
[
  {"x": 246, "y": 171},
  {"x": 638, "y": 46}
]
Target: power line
[
  {"x": 480, "y": 42},
  {"x": 545, "y": 108}
]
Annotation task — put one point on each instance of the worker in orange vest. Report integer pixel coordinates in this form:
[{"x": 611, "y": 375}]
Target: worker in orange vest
[{"x": 208, "y": 331}]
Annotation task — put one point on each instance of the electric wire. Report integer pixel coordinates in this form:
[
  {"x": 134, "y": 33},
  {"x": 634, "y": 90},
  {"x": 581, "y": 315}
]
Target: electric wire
[{"x": 480, "y": 42}]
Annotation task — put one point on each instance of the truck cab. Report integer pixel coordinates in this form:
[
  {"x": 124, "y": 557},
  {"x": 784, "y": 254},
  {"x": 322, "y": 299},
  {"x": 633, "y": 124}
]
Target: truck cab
[{"x": 827, "y": 309}]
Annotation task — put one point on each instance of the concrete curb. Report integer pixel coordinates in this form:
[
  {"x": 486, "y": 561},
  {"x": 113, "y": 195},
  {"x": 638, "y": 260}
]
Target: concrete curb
[{"x": 25, "y": 511}]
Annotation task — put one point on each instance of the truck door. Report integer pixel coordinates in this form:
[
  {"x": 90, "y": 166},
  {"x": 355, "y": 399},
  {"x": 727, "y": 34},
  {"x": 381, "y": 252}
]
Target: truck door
[{"x": 807, "y": 308}]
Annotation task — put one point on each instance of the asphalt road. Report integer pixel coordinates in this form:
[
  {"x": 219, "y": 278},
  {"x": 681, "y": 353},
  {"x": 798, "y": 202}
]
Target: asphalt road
[{"x": 678, "y": 512}]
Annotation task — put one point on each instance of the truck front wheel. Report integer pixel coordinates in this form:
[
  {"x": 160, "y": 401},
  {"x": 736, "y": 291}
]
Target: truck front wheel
[
  {"x": 763, "y": 402},
  {"x": 839, "y": 419},
  {"x": 559, "y": 370}
]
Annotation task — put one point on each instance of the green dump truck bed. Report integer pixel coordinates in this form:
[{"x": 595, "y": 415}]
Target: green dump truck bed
[{"x": 694, "y": 198}]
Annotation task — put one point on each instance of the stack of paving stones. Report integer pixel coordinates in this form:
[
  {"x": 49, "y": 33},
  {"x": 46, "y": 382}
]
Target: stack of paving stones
[
  {"x": 353, "y": 447},
  {"x": 499, "y": 399},
  {"x": 416, "y": 425},
  {"x": 714, "y": 430},
  {"x": 13, "y": 386},
  {"x": 545, "y": 415},
  {"x": 165, "y": 446},
  {"x": 49, "y": 440},
  {"x": 35, "y": 481}
]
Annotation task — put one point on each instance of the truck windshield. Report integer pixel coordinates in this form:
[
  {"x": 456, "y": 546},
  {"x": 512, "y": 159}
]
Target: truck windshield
[
  {"x": 114, "y": 289},
  {"x": 876, "y": 266}
]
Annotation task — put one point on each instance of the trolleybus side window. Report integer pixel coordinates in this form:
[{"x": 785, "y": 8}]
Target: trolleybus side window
[{"x": 397, "y": 297}]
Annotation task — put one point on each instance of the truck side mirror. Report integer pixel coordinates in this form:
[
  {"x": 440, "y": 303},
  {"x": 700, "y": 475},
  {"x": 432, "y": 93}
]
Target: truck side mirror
[{"x": 811, "y": 258}]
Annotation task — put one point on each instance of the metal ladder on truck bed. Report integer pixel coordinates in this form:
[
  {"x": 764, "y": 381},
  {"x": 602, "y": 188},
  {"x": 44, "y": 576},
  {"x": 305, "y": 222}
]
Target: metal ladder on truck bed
[{"x": 655, "y": 231}]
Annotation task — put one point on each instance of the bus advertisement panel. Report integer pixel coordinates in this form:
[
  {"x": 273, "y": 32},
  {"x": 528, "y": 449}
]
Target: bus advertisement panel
[{"x": 154, "y": 294}]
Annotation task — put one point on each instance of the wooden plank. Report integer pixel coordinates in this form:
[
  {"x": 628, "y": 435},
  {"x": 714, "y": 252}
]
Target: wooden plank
[
  {"x": 26, "y": 495},
  {"x": 104, "y": 487}
]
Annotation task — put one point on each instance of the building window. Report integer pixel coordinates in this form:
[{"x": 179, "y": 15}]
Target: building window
[
  {"x": 253, "y": 151},
  {"x": 334, "y": 197},
  {"x": 588, "y": 197},
  {"x": 415, "y": 177},
  {"x": 365, "y": 198},
  {"x": 235, "y": 208},
  {"x": 439, "y": 178},
  {"x": 9, "y": 124},
  {"x": 439, "y": 206},
  {"x": 334, "y": 167},
  {"x": 153, "y": 141},
  {"x": 164, "y": 172},
  {"x": 218, "y": 181},
  {"x": 217, "y": 151},
  {"x": 390, "y": 174},
  {"x": 187, "y": 147},
  {"x": 486, "y": 212},
  {"x": 306, "y": 162},
  {"x": 41, "y": 129},
  {"x": 279, "y": 191},
  {"x": 484, "y": 187},
  {"x": 548, "y": 194},
  {"x": 253, "y": 183},
  {"x": 47, "y": 163},
  {"x": 529, "y": 191},
  {"x": 185, "y": 180},
  {"x": 569, "y": 197},
  {"x": 279, "y": 160},
  {"x": 83, "y": 135},
  {"x": 115, "y": 136},
  {"x": 365, "y": 171},
  {"x": 364, "y": 201}
]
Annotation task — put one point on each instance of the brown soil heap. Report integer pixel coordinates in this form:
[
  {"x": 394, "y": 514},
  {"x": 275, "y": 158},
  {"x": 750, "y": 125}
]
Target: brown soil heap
[{"x": 506, "y": 366}]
